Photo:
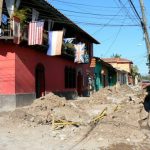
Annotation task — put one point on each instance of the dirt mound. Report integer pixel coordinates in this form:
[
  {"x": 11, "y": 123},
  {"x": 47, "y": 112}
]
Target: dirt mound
[
  {"x": 41, "y": 110},
  {"x": 113, "y": 95},
  {"x": 82, "y": 110},
  {"x": 109, "y": 119}
]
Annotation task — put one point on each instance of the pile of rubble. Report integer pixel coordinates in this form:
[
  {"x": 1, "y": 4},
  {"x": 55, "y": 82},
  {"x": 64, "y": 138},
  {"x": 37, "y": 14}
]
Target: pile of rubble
[
  {"x": 41, "y": 109},
  {"x": 107, "y": 119},
  {"x": 51, "y": 108}
]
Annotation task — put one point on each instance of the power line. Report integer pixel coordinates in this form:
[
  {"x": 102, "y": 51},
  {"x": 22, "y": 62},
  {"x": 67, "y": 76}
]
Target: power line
[
  {"x": 101, "y": 18},
  {"x": 82, "y": 4},
  {"x": 78, "y": 12},
  {"x": 83, "y": 13},
  {"x": 126, "y": 10},
  {"x": 109, "y": 25},
  {"x": 130, "y": 1},
  {"x": 115, "y": 37},
  {"x": 108, "y": 22},
  {"x": 86, "y": 23}
]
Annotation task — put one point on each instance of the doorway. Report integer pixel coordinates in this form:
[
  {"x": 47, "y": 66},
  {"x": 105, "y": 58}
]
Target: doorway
[
  {"x": 79, "y": 83},
  {"x": 40, "y": 80},
  {"x": 104, "y": 80}
]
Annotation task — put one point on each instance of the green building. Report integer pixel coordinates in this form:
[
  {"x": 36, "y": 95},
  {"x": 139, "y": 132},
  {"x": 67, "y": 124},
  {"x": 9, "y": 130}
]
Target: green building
[{"x": 105, "y": 74}]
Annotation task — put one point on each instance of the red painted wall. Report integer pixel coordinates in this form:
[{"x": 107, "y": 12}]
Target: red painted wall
[
  {"x": 7, "y": 68},
  {"x": 17, "y": 65},
  {"x": 27, "y": 59}
]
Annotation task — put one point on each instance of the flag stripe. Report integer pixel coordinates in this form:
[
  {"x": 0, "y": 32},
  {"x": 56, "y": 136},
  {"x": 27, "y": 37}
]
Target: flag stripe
[{"x": 35, "y": 33}]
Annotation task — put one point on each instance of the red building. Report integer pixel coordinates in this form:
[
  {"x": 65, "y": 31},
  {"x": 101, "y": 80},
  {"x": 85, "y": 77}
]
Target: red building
[{"x": 26, "y": 72}]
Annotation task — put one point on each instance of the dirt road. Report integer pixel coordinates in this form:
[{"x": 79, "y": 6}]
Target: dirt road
[{"x": 30, "y": 128}]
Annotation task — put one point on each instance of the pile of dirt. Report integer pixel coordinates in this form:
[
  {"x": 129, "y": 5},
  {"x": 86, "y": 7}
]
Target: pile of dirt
[
  {"x": 118, "y": 128},
  {"x": 41, "y": 110},
  {"x": 111, "y": 95},
  {"x": 44, "y": 109}
]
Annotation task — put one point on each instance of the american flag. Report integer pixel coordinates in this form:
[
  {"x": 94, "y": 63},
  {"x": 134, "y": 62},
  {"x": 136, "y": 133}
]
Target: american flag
[
  {"x": 35, "y": 36},
  {"x": 79, "y": 53}
]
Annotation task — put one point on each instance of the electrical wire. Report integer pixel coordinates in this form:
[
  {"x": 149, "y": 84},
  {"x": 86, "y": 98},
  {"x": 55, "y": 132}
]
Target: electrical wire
[
  {"x": 86, "y": 5},
  {"x": 88, "y": 13},
  {"x": 79, "y": 12},
  {"x": 113, "y": 42},
  {"x": 127, "y": 11},
  {"x": 108, "y": 22},
  {"x": 130, "y": 1},
  {"x": 86, "y": 23},
  {"x": 101, "y": 18}
]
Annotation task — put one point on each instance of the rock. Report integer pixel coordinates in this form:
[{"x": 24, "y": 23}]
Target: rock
[
  {"x": 62, "y": 136},
  {"x": 38, "y": 120},
  {"x": 32, "y": 119},
  {"x": 128, "y": 139},
  {"x": 100, "y": 139}
]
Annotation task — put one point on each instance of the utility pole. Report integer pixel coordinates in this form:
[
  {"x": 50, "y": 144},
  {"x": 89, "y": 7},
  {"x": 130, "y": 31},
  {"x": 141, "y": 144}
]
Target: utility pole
[{"x": 145, "y": 31}]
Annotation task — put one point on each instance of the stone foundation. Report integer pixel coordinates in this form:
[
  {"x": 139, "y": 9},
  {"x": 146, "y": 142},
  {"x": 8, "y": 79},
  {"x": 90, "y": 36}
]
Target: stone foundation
[{"x": 11, "y": 102}]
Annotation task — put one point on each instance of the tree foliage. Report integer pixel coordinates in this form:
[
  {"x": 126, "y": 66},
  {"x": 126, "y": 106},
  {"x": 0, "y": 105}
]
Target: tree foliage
[
  {"x": 116, "y": 56},
  {"x": 134, "y": 70},
  {"x": 22, "y": 14},
  {"x": 145, "y": 77}
]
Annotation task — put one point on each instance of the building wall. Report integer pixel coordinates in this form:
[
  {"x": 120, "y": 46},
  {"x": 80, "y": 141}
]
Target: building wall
[
  {"x": 122, "y": 77},
  {"x": 17, "y": 75},
  {"x": 7, "y": 77},
  {"x": 104, "y": 72},
  {"x": 125, "y": 66},
  {"x": 112, "y": 77},
  {"x": 28, "y": 59},
  {"x": 7, "y": 69},
  {"x": 98, "y": 83},
  {"x": 122, "y": 66}
]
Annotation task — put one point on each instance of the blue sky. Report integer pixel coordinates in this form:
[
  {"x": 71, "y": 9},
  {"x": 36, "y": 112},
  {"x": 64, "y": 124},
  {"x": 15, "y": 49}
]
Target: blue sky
[{"x": 102, "y": 14}]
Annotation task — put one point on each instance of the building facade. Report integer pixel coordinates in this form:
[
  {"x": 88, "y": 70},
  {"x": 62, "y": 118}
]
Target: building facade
[
  {"x": 27, "y": 72},
  {"x": 105, "y": 74}
]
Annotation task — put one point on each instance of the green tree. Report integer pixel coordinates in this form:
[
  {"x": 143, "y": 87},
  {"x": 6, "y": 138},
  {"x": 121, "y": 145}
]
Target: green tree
[
  {"x": 116, "y": 56},
  {"x": 145, "y": 77},
  {"x": 134, "y": 70}
]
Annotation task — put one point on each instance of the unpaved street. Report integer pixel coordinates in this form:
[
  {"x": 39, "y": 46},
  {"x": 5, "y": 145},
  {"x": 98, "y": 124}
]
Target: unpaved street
[{"x": 30, "y": 128}]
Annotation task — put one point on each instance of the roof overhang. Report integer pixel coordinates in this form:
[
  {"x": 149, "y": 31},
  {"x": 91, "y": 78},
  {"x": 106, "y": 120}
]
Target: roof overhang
[{"x": 52, "y": 13}]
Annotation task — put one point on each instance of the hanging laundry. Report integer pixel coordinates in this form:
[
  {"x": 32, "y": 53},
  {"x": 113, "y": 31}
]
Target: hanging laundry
[
  {"x": 35, "y": 36},
  {"x": 79, "y": 52},
  {"x": 55, "y": 39},
  {"x": 16, "y": 29},
  {"x": 35, "y": 15},
  {"x": 11, "y": 5},
  {"x": 50, "y": 24}
]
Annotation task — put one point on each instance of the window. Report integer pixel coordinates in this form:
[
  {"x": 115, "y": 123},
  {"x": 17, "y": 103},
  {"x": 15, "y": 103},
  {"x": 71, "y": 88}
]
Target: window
[{"x": 70, "y": 77}]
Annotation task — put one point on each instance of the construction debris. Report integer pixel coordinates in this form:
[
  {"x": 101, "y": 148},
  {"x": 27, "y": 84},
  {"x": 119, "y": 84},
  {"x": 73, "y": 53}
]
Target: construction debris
[
  {"x": 107, "y": 118},
  {"x": 100, "y": 116}
]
